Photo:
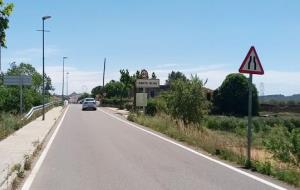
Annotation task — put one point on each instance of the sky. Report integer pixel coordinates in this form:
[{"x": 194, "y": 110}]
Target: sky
[{"x": 209, "y": 38}]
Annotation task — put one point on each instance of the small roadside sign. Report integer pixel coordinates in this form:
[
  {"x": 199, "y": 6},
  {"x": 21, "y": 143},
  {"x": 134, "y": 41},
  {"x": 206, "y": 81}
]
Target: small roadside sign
[
  {"x": 17, "y": 80},
  {"x": 147, "y": 83},
  {"x": 251, "y": 63},
  {"x": 141, "y": 99}
]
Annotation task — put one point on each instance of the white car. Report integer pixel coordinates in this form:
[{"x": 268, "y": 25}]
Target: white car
[{"x": 89, "y": 104}]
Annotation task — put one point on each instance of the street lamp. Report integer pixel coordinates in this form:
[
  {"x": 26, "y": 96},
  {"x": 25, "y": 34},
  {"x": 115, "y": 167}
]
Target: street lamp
[
  {"x": 44, "y": 18},
  {"x": 63, "y": 82}
]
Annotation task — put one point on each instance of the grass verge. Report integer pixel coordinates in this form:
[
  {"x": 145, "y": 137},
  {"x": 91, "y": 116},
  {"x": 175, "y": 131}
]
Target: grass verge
[{"x": 9, "y": 123}]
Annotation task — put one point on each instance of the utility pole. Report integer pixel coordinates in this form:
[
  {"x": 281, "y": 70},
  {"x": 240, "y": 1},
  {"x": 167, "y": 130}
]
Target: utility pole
[
  {"x": 103, "y": 72},
  {"x": 63, "y": 80}
]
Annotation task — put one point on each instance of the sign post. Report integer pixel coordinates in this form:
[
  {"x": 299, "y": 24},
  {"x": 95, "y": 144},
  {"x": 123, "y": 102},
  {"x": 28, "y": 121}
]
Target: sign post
[
  {"x": 20, "y": 80},
  {"x": 251, "y": 65},
  {"x": 145, "y": 83}
]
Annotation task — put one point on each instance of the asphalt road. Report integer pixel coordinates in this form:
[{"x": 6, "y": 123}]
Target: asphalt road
[{"x": 93, "y": 150}]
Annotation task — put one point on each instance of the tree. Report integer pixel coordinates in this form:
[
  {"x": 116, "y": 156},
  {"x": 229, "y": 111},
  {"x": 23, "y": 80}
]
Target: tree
[
  {"x": 48, "y": 86},
  {"x": 126, "y": 79},
  {"x": 28, "y": 69},
  {"x": 32, "y": 95},
  {"x": 231, "y": 98},
  {"x": 84, "y": 95},
  {"x": 114, "y": 89},
  {"x": 186, "y": 100},
  {"x": 153, "y": 75},
  {"x": 175, "y": 76},
  {"x": 5, "y": 11},
  {"x": 98, "y": 90}
]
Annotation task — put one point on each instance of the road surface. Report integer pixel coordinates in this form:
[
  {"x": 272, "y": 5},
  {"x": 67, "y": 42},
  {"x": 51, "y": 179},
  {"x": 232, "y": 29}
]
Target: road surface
[{"x": 93, "y": 150}]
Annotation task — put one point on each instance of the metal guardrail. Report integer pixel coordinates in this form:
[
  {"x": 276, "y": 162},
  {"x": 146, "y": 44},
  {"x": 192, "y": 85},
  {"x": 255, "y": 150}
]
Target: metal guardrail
[{"x": 37, "y": 108}]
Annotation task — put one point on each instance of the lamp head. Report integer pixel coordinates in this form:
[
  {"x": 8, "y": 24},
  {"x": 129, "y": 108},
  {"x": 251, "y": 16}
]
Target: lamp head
[{"x": 46, "y": 17}]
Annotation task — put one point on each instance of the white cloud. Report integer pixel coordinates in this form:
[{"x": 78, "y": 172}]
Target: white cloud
[{"x": 33, "y": 52}]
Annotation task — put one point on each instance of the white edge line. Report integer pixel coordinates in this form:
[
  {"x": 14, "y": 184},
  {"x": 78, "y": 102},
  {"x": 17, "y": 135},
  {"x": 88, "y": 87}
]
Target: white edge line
[
  {"x": 40, "y": 161},
  {"x": 199, "y": 154}
]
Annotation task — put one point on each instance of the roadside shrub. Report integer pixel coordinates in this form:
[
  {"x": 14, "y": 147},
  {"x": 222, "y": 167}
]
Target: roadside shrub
[
  {"x": 161, "y": 102},
  {"x": 264, "y": 168},
  {"x": 186, "y": 100},
  {"x": 295, "y": 138},
  {"x": 151, "y": 108},
  {"x": 224, "y": 123},
  {"x": 278, "y": 142},
  {"x": 129, "y": 106},
  {"x": 8, "y": 124}
]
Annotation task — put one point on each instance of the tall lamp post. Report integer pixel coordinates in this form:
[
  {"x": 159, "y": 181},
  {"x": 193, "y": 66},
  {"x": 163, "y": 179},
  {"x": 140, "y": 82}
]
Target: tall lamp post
[
  {"x": 44, "y": 18},
  {"x": 63, "y": 79}
]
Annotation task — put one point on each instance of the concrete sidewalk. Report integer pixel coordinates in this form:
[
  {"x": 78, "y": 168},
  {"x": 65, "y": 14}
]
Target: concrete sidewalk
[{"x": 24, "y": 142}]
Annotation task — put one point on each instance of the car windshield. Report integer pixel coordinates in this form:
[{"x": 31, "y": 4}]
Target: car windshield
[{"x": 89, "y": 100}]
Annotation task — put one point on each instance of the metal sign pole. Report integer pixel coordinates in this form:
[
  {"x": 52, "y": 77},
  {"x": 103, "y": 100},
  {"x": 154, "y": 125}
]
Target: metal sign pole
[
  {"x": 249, "y": 129},
  {"x": 144, "y": 108}
]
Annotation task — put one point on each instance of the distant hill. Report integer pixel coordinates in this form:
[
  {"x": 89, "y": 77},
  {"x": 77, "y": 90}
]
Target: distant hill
[{"x": 280, "y": 97}]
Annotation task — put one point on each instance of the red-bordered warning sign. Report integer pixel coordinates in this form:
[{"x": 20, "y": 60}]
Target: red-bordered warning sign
[{"x": 251, "y": 63}]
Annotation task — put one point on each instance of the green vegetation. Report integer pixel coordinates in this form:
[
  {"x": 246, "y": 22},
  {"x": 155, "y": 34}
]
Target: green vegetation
[
  {"x": 9, "y": 123},
  {"x": 84, "y": 95},
  {"x": 231, "y": 98},
  {"x": 6, "y": 10},
  {"x": 186, "y": 100},
  {"x": 173, "y": 76},
  {"x": 119, "y": 93},
  {"x": 10, "y": 95}
]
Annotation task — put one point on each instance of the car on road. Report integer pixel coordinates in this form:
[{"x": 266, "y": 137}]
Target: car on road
[{"x": 89, "y": 104}]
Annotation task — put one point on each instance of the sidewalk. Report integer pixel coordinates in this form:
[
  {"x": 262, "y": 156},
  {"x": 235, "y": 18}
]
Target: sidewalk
[
  {"x": 123, "y": 113},
  {"x": 24, "y": 142}
]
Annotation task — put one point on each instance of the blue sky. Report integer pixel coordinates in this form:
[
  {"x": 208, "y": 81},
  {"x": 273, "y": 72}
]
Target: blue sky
[{"x": 209, "y": 38}]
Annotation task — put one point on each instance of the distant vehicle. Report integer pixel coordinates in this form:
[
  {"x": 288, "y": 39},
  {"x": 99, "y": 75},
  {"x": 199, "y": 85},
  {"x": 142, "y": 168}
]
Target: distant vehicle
[
  {"x": 80, "y": 101},
  {"x": 89, "y": 104}
]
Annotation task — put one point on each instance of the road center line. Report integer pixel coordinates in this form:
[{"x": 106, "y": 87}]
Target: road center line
[
  {"x": 40, "y": 161},
  {"x": 198, "y": 153}
]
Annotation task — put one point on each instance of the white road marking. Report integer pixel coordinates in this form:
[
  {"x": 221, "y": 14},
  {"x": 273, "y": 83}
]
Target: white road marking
[
  {"x": 199, "y": 154},
  {"x": 40, "y": 161}
]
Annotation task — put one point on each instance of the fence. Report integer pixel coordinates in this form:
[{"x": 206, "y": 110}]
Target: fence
[{"x": 39, "y": 108}]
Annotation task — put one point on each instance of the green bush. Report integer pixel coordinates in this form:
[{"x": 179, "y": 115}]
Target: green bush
[
  {"x": 151, "y": 108},
  {"x": 264, "y": 168},
  {"x": 231, "y": 98},
  {"x": 186, "y": 100},
  {"x": 129, "y": 106},
  {"x": 224, "y": 123},
  {"x": 278, "y": 142},
  {"x": 8, "y": 124}
]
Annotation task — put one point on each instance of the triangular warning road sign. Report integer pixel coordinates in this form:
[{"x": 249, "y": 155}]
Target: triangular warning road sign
[{"x": 251, "y": 63}]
